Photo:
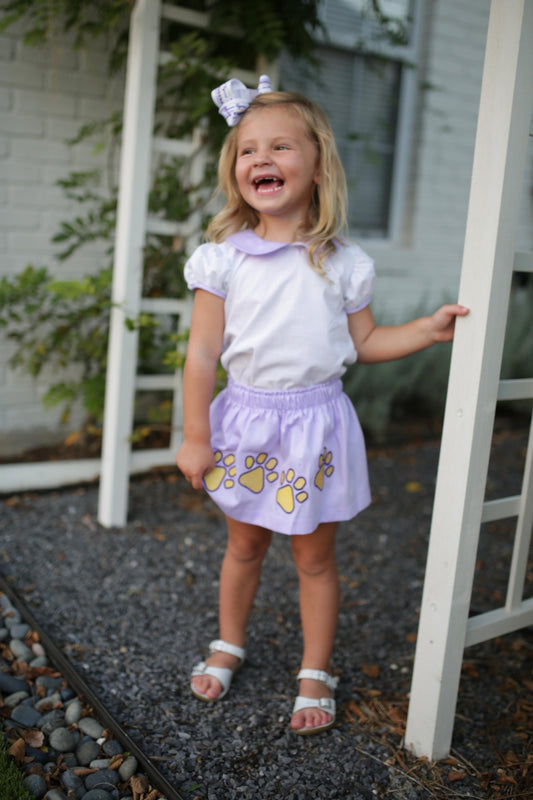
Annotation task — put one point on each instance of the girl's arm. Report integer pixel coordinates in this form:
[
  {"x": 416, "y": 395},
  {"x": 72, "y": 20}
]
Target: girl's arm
[
  {"x": 195, "y": 456},
  {"x": 375, "y": 343}
]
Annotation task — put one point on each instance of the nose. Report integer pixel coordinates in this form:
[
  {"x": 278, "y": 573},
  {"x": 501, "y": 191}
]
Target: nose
[{"x": 262, "y": 156}]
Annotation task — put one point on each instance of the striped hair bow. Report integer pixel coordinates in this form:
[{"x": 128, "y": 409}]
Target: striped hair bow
[{"x": 233, "y": 98}]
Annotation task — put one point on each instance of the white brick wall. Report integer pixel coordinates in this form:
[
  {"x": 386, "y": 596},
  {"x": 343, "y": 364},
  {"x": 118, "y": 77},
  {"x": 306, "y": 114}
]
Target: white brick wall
[{"x": 46, "y": 94}]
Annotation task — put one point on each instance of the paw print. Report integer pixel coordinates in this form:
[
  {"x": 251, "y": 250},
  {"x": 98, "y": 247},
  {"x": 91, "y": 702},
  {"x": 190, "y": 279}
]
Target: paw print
[
  {"x": 257, "y": 470},
  {"x": 291, "y": 491},
  {"x": 224, "y": 472},
  {"x": 325, "y": 468}
]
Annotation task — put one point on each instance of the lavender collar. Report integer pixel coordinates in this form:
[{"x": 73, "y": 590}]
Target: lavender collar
[{"x": 250, "y": 243}]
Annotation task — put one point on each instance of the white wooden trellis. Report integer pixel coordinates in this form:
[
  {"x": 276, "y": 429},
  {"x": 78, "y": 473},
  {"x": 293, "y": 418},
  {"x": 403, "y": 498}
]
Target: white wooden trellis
[
  {"x": 133, "y": 223},
  {"x": 474, "y": 389},
  {"x": 118, "y": 461}
]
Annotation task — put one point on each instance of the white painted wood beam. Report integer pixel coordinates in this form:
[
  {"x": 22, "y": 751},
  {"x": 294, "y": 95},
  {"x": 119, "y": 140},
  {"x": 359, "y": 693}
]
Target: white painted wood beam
[
  {"x": 128, "y": 267},
  {"x": 497, "y": 178}
]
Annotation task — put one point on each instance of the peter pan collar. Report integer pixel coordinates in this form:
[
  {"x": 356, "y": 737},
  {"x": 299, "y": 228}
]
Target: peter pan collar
[{"x": 250, "y": 243}]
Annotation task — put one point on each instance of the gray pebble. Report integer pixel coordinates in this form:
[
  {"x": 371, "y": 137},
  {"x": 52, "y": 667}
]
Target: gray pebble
[
  {"x": 12, "y": 617},
  {"x": 97, "y": 794},
  {"x": 71, "y": 781},
  {"x": 63, "y": 740},
  {"x": 10, "y": 684},
  {"x": 49, "y": 682},
  {"x": 70, "y": 760},
  {"x": 4, "y": 633},
  {"x": 37, "y": 755},
  {"x": 36, "y": 785},
  {"x": 52, "y": 720},
  {"x": 19, "y": 630},
  {"x": 91, "y": 727},
  {"x": 39, "y": 661},
  {"x": 20, "y": 650},
  {"x": 38, "y": 650},
  {"x": 104, "y": 779},
  {"x": 87, "y": 751},
  {"x": 28, "y": 702},
  {"x": 26, "y": 715},
  {"x": 112, "y": 747},
  {"x": 99, "y": 763},
  {"x": 55, "y": 794},
  {"x": 73, "y": 712},
  {"x": 13, "y": 700},
  {"x": 128, "y": 768},
  {"x": 51, "y": 700}
]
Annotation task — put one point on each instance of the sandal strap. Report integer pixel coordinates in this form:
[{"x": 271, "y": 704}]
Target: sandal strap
[
  {"x": 319, "y": 675},
  {"x": 220, "y": 646},
  {"x": 223, "y": 675},
  {"x": 327, "y": 704}
]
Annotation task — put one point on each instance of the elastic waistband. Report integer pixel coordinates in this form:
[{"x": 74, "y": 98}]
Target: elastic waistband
[{"x": 286, "y": 400}]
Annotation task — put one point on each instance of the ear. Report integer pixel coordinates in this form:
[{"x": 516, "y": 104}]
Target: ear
[{"x": 317, "y": 176}]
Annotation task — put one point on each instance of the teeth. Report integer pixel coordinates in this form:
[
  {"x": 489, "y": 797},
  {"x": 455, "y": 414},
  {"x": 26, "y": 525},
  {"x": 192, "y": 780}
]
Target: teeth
[{"x": 263, "y": 181}]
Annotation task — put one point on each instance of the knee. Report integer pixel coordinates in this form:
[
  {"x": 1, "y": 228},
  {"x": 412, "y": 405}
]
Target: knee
[
  {"x": 313, "y": 565},
  {"x": 248, "y": 550}
]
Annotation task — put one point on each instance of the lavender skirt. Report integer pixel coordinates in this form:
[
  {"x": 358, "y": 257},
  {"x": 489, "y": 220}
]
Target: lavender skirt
[{"x": 287, "y": 461}]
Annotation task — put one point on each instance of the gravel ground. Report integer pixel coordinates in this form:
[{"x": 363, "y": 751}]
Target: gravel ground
[{"x": 134, "y": 608}]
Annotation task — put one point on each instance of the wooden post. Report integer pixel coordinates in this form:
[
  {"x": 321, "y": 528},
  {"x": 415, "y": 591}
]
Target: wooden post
[
  {"x": 128, "y": 267},
  {"x": 498, "y": 172}
]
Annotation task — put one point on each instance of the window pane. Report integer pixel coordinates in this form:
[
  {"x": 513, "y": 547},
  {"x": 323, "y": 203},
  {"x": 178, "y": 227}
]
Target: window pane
[
  {"x": 359, "y": 93},
  {"x": 356, "y": 22}
]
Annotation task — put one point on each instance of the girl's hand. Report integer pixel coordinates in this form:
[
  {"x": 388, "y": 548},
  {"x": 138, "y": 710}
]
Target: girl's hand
[
  {"x": 195, "y": 460},
  {"x": 442, "y": 322}
]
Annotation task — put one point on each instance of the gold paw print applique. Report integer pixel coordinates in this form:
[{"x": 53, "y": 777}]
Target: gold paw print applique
[
  {"x": 257, "y": 469},
  {"x": 291, "y": 490},
  {"x": 325, "y": 468},
  {"x": 223, "y": 473}
]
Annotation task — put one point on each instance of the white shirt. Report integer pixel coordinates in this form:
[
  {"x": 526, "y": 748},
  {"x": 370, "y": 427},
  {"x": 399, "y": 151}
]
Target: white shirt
[{"x": 286, "y": 326}]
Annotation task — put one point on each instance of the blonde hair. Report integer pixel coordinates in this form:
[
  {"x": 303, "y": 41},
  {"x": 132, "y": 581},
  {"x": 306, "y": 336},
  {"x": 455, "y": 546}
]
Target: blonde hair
[{"x": 327, "y": 211}]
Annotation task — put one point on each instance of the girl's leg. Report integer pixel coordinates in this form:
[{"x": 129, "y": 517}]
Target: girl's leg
[
  {"x": 314, "y": 557},
  {"x": 239, "y": 579}
]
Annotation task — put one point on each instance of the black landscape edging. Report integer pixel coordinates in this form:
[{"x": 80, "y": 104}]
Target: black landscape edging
[{"x": 74, "y": 679}]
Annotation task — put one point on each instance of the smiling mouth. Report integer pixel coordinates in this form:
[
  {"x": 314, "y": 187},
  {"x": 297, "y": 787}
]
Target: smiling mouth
[{"x": 268, "y": 185}]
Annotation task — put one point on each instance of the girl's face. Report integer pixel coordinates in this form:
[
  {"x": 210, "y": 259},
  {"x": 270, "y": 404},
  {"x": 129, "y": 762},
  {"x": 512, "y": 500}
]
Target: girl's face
[{"x": 276, "y": 168}]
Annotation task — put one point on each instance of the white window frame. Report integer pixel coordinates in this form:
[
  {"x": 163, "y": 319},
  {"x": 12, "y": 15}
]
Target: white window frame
[{"x": 409, "y": 56}]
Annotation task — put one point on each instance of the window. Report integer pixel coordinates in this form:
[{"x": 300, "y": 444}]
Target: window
[{"x": 361, "y": 85}]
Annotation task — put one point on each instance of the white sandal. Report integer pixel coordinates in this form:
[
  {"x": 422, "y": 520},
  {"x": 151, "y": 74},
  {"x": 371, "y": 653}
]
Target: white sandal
[
  {"x": 327, "y": 704},
  {"x": 223, "y": 674}
]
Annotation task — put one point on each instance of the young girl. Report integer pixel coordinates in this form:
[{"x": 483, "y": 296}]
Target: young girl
[{"x": 284, "y": 301}]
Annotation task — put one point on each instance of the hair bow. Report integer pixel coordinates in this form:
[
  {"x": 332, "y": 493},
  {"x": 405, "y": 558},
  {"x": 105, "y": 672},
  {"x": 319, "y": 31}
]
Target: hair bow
[{"x": 233, "y": 98}]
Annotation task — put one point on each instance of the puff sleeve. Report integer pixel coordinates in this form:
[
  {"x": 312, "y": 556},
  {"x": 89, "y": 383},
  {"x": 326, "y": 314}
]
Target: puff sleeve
[
  {"x": 359, "y": 277},
  {"x": 209, "y": 268}
]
